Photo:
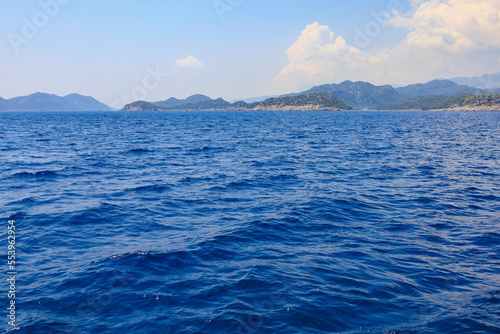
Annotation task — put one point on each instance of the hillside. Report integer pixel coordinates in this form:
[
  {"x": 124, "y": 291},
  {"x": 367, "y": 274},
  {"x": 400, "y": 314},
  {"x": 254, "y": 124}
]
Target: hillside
[
  {"x": 468, "y": 102},
  {"x": 141, "y": 106},
  {"x": 217, "y": 104},
  {"x": 50, "y": 102},
  {"x": 313, "y": 102},
  {"x": 361, "y": 95},
  {"x": 416, "y": 103},
  {"x": 465, "y": 102}
]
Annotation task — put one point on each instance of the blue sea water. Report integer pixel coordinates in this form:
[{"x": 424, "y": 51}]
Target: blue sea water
[{"x": 252, "y": 222}]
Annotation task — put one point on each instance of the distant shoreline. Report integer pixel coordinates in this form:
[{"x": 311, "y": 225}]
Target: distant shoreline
[{"x": 348, "y": 95}]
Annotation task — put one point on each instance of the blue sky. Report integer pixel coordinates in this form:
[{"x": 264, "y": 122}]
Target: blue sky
[{"x": 117, "y": 50}]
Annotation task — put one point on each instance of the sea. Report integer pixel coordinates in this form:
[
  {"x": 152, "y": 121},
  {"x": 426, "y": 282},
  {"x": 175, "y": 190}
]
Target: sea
[{"x": 250, "y": 222}]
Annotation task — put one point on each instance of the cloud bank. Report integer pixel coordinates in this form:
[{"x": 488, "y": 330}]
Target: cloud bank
[{"x": 445, "y": 38}]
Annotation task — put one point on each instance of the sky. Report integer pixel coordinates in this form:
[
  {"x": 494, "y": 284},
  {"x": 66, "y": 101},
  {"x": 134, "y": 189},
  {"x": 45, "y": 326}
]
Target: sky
[{"x": 119, "y": 51}]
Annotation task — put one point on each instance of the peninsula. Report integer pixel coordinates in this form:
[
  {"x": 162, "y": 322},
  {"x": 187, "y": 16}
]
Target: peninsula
[{"x": 348, "y": 95}]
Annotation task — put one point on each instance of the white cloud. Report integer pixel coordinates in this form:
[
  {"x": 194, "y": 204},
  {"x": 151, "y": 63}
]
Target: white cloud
[
  {"x": 317, "y": 49},
  {"x": 318, "y": 56},
  {"x": 453, "y": 25},
  {"x": 445, "y": 38},
  {"x": 189, "y": 62}
]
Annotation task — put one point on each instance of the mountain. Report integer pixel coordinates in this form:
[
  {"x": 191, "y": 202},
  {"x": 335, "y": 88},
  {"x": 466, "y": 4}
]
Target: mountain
[
  {"x": 310, "y": 101},
  {"x": 50, "y": 102},
  {"x": 173, "y": 102},
  {"x": 437, "y": 87},
  {"x": 364, "y": 95},
  {"x": 487, "y": 81},
  {"x": 361, "y": 95}
]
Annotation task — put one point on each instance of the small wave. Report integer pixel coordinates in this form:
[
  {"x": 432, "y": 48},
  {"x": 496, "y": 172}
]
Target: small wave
[
  {"x": 139, "y": 151},
  {"x": 425, "y": 169},
  {"x": 92, "y": 154},
  {"x": 282, "y": 177},
  {"x": 218, "y": 188},
  {"x": 120, "y": 256},
  {"x": 102, "y": 212},
  {"x": 207, "y": 148},
  {"x": 190, "y": 179},
  {"x": 486, "y": 239},
  {"x": 16, "y": 215},
  {"x": 486, "y": 198},
  {"x": 149, "y": 261},
  {"x": 26, "y": 200},
  {"x": 240, "y": 184},
  {"x": 43, "y": 173},
  {"x": 149, "y": 188}
]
